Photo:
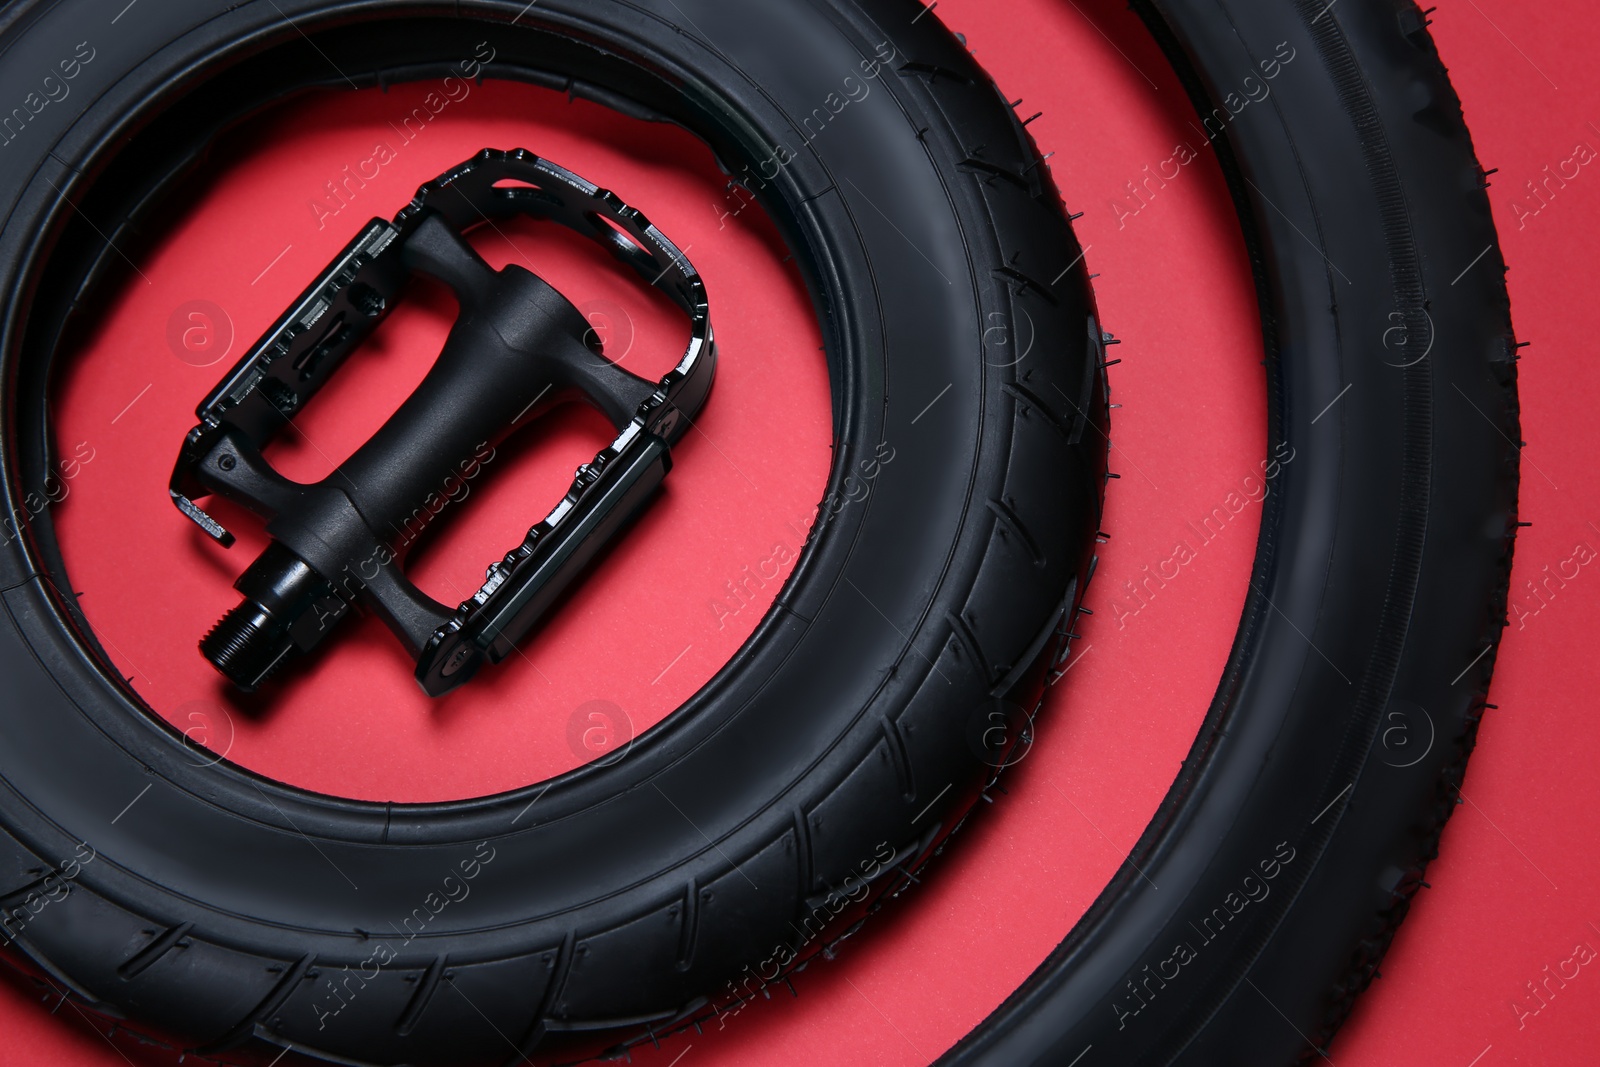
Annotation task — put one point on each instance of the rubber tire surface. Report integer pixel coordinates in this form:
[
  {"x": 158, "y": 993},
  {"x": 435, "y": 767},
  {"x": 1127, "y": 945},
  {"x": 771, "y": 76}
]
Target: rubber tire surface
[
  {"x": 1288, "y": 850},
  {"x": 228, "y": 914}
]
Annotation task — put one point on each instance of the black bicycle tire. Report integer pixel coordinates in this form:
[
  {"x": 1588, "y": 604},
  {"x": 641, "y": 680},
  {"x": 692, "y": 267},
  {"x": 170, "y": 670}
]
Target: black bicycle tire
[
  {"x": 202, "y": 919},
  {"x": 1289, "y": 849}
]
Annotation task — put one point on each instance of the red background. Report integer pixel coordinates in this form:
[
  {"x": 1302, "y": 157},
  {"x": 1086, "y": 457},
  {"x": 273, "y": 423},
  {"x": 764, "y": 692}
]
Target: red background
[{"x": 1513, "y": 889}]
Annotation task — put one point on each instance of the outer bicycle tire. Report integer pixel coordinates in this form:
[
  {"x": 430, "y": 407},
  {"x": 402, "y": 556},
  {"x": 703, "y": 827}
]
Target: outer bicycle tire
[
  {"x": 1260, "y": 900},
  {"x": 231, "y": 917}
]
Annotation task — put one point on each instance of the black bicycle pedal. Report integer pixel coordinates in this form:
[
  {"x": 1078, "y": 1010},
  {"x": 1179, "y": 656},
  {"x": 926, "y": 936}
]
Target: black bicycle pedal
[{"x": 517, "y": 347}]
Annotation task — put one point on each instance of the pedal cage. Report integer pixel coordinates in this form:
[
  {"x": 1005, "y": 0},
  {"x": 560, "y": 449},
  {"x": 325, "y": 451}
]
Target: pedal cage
[{"x": 332, "y": 541}]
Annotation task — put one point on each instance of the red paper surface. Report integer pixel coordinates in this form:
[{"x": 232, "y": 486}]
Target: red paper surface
[{"x": 1513, "y": 889}]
